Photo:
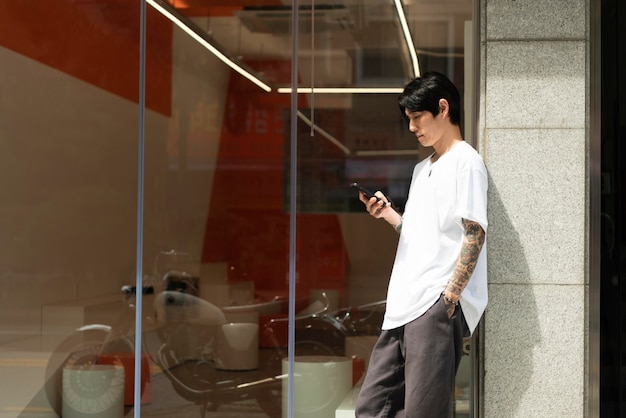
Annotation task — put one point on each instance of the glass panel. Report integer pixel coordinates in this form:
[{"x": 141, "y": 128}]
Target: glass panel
[
  {"x": 216, "y": 227},
  {"x": 217, "y": 194},
  {"x": 216, "y": 199},
  {"x": 68, "y": 132},
  {"x": 344, "y": 255}
]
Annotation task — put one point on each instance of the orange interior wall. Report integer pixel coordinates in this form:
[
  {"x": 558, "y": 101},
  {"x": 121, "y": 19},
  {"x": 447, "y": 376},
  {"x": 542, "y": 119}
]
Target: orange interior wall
[
  {"x": 248, "y": 221},
  {"x": 218, "y": 7},
  {"x": 96, "y": 41}
]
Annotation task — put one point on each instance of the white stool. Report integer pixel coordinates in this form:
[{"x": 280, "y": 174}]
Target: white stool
[
  {"x": 96, "y": 391},
  {"x": 320, "y": 385},
  {"x": 237, "y": 347}
]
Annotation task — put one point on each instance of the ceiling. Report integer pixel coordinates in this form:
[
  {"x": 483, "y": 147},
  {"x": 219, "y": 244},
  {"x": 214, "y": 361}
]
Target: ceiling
[{"x": 345, "y": 43}]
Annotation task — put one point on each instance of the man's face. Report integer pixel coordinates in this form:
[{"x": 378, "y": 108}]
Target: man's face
[{"x": 426, "y": 127}]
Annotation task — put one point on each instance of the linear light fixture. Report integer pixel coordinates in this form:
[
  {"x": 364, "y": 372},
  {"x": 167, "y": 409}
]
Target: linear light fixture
[
  {"x": 205, "y": 40},
  {"x": 342, "y": 90},
  {"x": 371, "y": 90},
  {"x": 407, "y": 37}
]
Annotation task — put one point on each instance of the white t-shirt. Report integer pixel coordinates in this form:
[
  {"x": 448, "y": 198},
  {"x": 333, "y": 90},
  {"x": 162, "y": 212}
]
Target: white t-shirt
[{"x": 440, "y": 196}]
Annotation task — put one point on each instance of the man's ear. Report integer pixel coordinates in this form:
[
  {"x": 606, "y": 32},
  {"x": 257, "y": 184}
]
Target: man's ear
[{"x": 444, "y": 108}]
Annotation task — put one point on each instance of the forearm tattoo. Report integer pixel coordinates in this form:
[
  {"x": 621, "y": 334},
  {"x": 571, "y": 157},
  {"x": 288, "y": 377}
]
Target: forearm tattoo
[{"x": 473, "y": 240}]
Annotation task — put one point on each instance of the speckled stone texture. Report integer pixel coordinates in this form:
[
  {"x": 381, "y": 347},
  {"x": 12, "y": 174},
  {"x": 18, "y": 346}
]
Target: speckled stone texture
[{"x": 533, "y": 137}]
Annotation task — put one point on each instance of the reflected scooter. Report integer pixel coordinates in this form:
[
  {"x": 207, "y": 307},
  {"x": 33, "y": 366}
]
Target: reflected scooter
[{"x": 180, "y": 335}]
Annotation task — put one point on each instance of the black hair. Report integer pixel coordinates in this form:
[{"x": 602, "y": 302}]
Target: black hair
[{"x": 424, "y": 93}]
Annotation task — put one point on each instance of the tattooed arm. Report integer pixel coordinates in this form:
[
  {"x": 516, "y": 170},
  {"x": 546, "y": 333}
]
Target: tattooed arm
[{"x": 473, "y": 240}]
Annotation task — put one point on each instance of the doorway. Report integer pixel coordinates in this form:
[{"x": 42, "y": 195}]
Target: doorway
[{"x": 613, "y": 206}]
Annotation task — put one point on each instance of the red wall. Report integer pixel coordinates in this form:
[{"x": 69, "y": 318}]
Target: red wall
[
  {"x": 95, "y": 41},
  {"x": 248, "y": 222}
]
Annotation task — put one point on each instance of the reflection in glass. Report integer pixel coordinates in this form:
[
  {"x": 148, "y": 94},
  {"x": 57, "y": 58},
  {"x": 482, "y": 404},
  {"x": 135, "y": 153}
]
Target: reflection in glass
[
  {"x": 69, "y": 81},
  {"x": 216, "y": 193}
]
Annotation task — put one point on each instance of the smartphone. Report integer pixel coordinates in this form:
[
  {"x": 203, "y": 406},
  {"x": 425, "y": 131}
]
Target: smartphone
[{"x": 365, "y": 192}]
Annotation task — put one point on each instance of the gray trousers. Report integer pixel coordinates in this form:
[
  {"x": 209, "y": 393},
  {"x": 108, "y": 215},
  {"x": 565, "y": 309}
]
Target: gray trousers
[{"x": 412, "y": 368}]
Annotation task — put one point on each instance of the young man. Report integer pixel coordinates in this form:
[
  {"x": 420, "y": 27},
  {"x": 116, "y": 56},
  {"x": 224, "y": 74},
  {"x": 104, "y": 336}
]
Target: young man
[{"x": 438, "y": 286}]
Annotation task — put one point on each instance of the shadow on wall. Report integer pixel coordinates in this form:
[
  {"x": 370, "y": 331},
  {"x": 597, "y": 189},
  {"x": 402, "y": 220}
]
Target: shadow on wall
[{"x": 511, "y": 323}]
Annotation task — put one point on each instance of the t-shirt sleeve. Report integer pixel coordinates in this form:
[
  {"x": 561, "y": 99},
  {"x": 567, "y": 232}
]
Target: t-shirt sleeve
[{"x": 472, "y": 194}]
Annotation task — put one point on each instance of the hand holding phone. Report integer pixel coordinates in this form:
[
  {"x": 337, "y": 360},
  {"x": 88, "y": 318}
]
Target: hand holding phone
[{"x": 368, "y": 194}]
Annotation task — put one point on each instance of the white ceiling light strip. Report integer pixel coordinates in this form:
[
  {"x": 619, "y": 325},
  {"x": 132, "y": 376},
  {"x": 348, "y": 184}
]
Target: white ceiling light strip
[
  {"x": 343, "y": 90},
  {"x": 203, "y": 39},
  {"x": 407, "y": 37}
]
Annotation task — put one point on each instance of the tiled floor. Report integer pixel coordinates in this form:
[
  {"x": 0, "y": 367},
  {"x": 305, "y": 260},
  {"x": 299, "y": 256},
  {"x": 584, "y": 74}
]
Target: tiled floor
[
  {"x": 23, "y": 362},
  {"x": 26, "y": 347}
]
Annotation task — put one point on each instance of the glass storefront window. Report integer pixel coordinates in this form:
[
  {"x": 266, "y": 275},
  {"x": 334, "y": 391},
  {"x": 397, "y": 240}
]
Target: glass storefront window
[
  {"x": 68, "y": 132},
  {"x": 218, "y": 178}
]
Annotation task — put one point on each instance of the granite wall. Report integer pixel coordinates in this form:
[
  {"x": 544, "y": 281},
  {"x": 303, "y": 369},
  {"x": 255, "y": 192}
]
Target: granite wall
[{"x": 533, "y": 137}]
